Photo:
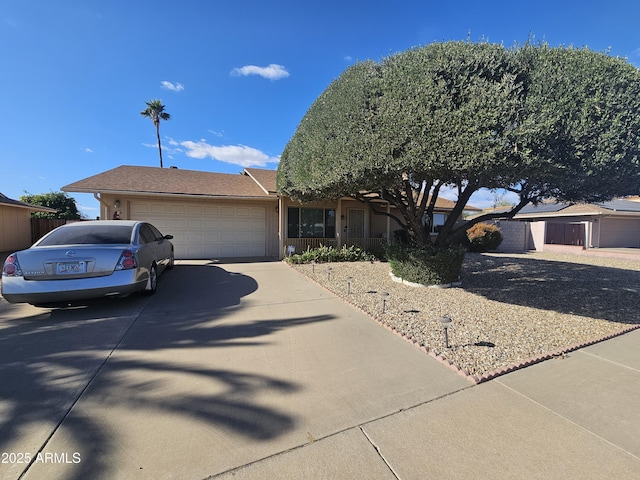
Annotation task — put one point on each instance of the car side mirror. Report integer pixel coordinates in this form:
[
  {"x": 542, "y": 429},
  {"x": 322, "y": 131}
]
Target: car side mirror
[{"x": 168, "y": 237}]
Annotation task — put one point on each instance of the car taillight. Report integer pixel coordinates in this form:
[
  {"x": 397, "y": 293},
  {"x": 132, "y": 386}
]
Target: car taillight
[
  {"x": 127, "y": 260},
  {"x": 11, "y": 267}
]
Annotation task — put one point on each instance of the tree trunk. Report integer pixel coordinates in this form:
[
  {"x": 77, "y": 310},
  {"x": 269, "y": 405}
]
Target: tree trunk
[
  {"x": 159, "y": 146},
  {"x": 418, "y": 233}
]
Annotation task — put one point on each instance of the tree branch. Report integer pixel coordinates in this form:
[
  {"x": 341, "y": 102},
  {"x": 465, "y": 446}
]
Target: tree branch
[{"x": 491, "y": 216}]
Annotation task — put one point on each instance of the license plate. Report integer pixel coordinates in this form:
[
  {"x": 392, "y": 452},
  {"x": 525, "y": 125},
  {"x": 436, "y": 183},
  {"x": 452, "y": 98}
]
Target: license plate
[{"x": 69, "y": 268}]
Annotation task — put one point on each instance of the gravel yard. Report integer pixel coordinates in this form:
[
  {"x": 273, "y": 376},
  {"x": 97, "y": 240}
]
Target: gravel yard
[{"x": 511, "y": 308}]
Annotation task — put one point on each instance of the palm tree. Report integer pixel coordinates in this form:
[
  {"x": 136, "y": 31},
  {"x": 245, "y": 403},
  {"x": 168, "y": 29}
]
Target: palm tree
[{"x": 155, "y": 112}]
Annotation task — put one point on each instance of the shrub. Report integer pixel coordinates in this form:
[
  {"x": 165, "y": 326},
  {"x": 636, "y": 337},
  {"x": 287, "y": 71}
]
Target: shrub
[
  {"x": 321, "y": 254},
  {"x": 426, "y": 265},
  {"x": 484, "y": 237}
]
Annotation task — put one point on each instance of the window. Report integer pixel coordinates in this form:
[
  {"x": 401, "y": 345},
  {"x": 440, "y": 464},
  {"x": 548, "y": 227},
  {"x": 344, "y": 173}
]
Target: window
[
  {"x": 146, "y": 234},
  {"x": 437, "y": 223},
  {"x": 88, "y": 233},
  {"x": 311, "y": 222}
]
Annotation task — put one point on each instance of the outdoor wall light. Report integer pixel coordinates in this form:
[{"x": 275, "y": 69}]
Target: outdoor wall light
[
  {"x": 384, "y": 296},
  {"x": 446, "y": 323},
  {"x": 116, "y": 204}
]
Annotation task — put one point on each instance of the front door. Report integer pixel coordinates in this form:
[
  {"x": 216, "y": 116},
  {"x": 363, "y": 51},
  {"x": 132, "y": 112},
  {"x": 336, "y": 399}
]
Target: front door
[{"x": 355, "y": 223}]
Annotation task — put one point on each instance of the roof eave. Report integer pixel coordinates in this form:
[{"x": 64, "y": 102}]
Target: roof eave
[
  {"x": 611, "y": 213},
  {"x": 170, "y": 194}
]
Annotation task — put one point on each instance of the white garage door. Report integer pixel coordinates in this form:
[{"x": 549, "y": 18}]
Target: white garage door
[{"x": 207, "y": 230}]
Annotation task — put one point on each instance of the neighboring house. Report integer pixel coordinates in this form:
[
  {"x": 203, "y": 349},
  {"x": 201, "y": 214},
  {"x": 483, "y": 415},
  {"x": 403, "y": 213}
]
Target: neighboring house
[
  {"x": 218, "y": 215},
  {"x": 15, "y": 223},
  {"x": 613, "y": 224}
]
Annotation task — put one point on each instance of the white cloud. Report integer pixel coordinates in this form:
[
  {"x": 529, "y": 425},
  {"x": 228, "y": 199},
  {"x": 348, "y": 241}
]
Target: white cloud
[
  {"x": 169, "y": 146},
  {"x": 235, "y": 154},
  {"x": 174, "y": 87},
  {"x": 88, "y": 150},
  {"x": 271, "y": 72}
]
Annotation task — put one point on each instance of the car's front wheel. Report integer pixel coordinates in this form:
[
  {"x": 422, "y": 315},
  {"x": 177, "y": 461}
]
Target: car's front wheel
[{"x": 152, "y": 281}]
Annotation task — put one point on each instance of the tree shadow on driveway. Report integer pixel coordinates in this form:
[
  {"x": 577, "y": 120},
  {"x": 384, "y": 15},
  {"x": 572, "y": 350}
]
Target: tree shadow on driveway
[
  {"x": 130, "y": 353},
  {"x": 565, "y": 287}
]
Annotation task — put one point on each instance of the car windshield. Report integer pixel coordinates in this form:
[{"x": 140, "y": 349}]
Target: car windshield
[{"x": 89, "y": 234}]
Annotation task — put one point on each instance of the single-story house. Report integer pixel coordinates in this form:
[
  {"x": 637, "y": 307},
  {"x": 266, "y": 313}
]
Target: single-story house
[
  {"x": 218, "y": 215},
  {"x": 15, "y": 223},
  {"x": 613, "y": 224}
]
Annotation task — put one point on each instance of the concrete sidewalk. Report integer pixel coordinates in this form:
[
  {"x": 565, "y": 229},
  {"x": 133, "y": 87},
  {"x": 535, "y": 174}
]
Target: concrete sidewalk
[{"x": 258, "y": 373}]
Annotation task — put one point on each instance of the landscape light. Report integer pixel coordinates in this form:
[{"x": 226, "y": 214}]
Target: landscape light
[
  {"x": 446, "y": 323},
  {"x": 384, "y": 296}
]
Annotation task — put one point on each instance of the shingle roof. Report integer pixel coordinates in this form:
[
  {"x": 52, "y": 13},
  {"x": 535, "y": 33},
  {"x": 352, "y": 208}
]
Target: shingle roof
[
  {"x": 4, "y": 200},
  {"x": 170, "y": 181},
  {"x": 265, "y": 178},
  {"x": 255, "y": 182}
]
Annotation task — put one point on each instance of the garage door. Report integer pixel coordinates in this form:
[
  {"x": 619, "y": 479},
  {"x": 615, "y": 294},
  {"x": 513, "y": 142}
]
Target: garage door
[{"x": 207, "y": 230}]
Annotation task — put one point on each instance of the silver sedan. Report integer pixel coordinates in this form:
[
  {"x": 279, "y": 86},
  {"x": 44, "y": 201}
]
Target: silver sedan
[{"x": 85, "y": 260}]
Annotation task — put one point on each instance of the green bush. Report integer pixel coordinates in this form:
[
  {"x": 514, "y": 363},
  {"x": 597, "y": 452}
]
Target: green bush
[
  {"x": 484, "y": 237},
  {"x": 426, "y": 265},
  {"x": 323, "y": 254}
]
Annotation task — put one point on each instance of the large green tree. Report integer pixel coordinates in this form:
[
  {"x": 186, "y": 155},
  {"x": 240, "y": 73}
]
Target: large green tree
[
  {"x": 155, "y": 112},
  {"x": 64, "y": 204},
  {"x": 542, "y": 122}
]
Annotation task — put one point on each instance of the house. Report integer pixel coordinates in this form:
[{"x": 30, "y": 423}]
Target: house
[
  {"x": 613, "y": 224},
  {"x": 221, "y": 215},
  {"x": 15, "y": 223}
]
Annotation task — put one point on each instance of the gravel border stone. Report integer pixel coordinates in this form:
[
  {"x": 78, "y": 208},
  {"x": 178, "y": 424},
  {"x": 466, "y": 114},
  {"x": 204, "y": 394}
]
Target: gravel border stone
[{"x": 510, "y": 311}]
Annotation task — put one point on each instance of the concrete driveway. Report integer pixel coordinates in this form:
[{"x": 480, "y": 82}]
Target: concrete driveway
[{"x": 249, "y": 365}]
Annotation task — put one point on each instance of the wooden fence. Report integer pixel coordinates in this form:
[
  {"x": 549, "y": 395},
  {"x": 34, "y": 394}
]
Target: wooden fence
[
  {"x": 565, "y": 233},
  {"x": 42, "y": 226}
]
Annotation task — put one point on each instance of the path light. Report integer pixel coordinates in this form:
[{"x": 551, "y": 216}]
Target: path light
[
  {"x": 349, "y": 279},
  {"x": 446, "y": 323},
  {"x": 329, "y": 273},
  {"x": 313, "y": 266},
  {"x": 384, "y": 296}
]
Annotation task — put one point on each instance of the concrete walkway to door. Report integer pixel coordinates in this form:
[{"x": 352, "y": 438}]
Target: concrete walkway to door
[{"x": 248, "y": 370}]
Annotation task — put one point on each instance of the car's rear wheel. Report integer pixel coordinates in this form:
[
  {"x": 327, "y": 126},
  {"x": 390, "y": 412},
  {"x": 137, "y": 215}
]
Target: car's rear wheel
[{"x": 152, "y": 282}]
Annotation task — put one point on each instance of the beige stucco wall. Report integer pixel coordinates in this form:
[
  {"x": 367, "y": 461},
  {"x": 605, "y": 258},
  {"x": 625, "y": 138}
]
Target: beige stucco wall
[
  {"x": 537, "y": 233},
  {"x": 15, "y": 228}
]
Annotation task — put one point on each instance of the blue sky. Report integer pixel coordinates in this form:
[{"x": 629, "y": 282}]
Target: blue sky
[{"x": 236, "y": 76}]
